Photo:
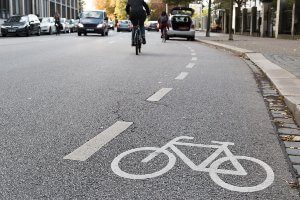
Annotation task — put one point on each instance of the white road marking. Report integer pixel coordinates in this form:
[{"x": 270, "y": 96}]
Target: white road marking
[
  {"x": 193, "y": 54},
  {"x": 93, "y": 145},
  {"x": 159, "y": 94},
  {"x": 111, "y": 42},
  {"x": 190, "y": 65},
  {"x": 181, "y": 76},
  {"x": 194, "y": 58},
  {"x": 210, "y": 165},
  {"x": 192, "y": 50}
]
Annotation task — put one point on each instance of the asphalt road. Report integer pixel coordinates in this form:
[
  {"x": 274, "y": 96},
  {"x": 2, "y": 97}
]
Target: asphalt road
[{"x": 59, "y": 92}]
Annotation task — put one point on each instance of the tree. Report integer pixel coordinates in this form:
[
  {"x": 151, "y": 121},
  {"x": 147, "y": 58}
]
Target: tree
[
  {"x": 156, "y": 7},
  {"x": 120, "y": 12},
  {"x": 108, "y": 5},
  {"x": 81, "y": 5},
  {"x": 179, "y": 2}
]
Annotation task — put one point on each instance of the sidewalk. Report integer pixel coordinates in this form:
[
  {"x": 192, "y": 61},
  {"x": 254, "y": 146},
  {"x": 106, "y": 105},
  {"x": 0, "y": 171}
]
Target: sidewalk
[{"x": 279, "y": 59}]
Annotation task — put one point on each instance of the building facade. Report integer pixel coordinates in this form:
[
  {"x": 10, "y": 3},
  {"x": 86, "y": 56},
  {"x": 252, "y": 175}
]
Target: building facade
[
  {"x": 42, "y": 8},
  {"x": 264, "y": 18}
]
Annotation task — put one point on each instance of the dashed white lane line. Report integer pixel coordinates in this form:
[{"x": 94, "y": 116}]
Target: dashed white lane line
[
  {"x": 190, "y": 65},
  {"x": 182, "y": 75},
  {"x": 194, "y": 58},
  {"x": 193, "y": 54},
  {"x": 111, "y": 42},
  {"x": 93, "y": 145},
  {"x": 159, "y": 94},
  {"x": 192, "y": 50}
]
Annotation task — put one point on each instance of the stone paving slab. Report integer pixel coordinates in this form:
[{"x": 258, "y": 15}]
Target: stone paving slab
[
  {"x": 292, "y": 144},
  {"x": 295, "y": 152},
  {"x": 295, "y": 159},
  {"x": 297, "y": 169}
]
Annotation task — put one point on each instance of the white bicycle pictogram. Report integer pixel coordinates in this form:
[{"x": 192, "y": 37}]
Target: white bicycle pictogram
[{"x": 209, "y": 165}]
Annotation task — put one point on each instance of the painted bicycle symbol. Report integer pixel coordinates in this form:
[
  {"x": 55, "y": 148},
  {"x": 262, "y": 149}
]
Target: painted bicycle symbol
[{"x": 209, "y": 165}]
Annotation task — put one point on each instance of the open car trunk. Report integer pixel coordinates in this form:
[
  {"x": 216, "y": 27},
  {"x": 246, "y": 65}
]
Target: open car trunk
[{"x": 181, "y": 23}]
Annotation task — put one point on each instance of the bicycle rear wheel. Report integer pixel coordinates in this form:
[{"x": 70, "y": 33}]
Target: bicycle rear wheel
[{"x": 136, "y": 40}]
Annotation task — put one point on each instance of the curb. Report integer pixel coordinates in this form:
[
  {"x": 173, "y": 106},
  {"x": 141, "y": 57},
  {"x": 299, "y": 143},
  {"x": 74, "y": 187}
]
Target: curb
[{"x": 286, "y": 83}]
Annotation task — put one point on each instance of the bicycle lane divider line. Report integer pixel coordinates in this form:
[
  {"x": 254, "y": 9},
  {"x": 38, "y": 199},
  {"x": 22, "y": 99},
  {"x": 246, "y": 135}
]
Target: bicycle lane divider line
[
  {"x": 190, "y": 65},
  {"x": 182, "y": 75},
  {"x": 194, "y": 58},
  {"x": 86, "y": 150},
  {"x": 159, "y": 94}
]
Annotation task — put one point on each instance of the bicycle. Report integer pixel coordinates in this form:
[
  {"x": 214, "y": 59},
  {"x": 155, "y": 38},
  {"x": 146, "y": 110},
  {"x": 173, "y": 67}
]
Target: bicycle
[
  {"x": 210, "y": 164},
  {"x": 137, "y": 39}
]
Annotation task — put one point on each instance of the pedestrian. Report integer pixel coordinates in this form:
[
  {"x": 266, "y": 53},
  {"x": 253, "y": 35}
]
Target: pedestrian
[{"x": 57, "y": 23}]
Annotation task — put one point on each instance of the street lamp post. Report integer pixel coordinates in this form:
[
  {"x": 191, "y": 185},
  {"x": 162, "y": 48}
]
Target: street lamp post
[{"x": 208, "y": 19}]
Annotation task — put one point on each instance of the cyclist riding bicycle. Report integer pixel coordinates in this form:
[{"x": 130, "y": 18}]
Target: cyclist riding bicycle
[
  {"x": 137, "y": 16},
  {"x": 163, "y": 22}
]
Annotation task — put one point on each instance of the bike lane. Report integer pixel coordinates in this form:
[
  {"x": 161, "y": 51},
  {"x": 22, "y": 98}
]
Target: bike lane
[{"x": 213, "y": 103}]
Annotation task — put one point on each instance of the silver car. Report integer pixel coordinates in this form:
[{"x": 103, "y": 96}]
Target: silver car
[
  {"x": 181, "y": 23},
  {"x": 65, "y": 25},
  {"x": 48, "y": 25}
]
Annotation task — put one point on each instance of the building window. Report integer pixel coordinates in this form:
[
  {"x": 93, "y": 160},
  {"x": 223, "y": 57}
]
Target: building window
[{"x": 4, "y": 9}]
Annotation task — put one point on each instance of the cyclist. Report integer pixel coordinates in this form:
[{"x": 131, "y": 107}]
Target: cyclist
[
  {"x": 57, "y": 23},
  {"x": 163, "y": 22},
  {"x": 137, "y": 16}
]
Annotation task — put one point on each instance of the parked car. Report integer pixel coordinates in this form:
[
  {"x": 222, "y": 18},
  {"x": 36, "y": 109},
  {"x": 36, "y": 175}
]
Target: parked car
[
  {"x": 152, "y": 26},
  {"x": 181, "y": 23},
  {"x": 124, "y": 25},
  {"x": 65, "y": 25},
  {"x": 111, "y": 25},
  {"x": 93, "y": 22},
  {"x": 21, "y": 25},
  {"x": 48, "y": 25},
  {"x": 72, "y": 27}
]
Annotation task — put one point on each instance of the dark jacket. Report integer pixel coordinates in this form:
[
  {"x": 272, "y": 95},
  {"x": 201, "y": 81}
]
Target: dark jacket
[{"x": 136, "y": 6}]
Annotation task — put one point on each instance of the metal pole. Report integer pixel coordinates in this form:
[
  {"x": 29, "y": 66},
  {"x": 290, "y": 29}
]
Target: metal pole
[
  {"x": 208, "y": 19},
  {"x": 230, "y": 21}
]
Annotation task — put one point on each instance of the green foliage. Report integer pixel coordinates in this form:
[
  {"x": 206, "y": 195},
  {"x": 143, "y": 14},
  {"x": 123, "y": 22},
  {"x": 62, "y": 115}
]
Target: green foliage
[
  {"x": 178, "y": 2},
  {"x": 120, "y": 9},
  {"x": 156, "y": 9}
]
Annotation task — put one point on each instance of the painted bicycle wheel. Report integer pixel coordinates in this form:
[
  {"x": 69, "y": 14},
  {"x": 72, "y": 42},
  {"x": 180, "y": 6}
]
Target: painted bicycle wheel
[
  {"x": 117, "y": 170},
  {"x": 266, "y": 183}
]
